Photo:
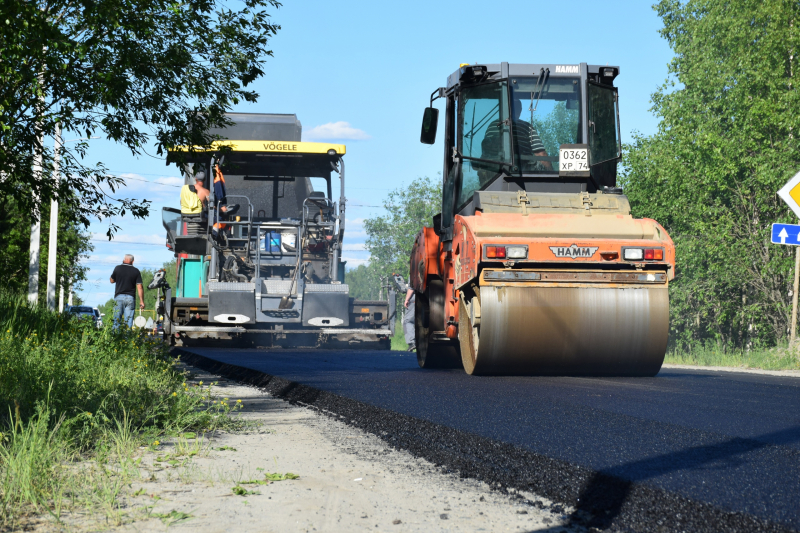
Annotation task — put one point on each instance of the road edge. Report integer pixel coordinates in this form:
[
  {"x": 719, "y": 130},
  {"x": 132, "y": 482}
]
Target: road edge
[{"x": 734, "y": 369}]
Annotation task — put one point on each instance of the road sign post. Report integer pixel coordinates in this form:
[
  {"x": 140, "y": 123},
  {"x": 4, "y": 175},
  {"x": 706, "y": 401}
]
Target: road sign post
[
  {"x": 790, "y": 193},
  {"x": 793, "y": 330}
]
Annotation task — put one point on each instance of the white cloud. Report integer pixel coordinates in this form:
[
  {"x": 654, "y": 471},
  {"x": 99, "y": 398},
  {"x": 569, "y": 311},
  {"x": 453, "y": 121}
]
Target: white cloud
[
  {"x": 335, "y": 131},
  {"x": 357, "y": 247},
  {"x": 353, "y": 263},
  {"x": 354, "y": 229}
]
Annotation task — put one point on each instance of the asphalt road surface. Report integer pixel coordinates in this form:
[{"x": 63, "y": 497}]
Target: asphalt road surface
[{"x": 730, "y": 440}]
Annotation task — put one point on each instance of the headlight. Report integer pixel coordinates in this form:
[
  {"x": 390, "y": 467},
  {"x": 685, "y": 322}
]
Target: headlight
[
  {"x": 517, "y": 252},
  {"x": 633, "y": 254}
]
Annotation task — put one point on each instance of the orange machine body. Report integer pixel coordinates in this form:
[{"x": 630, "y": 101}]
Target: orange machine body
[{"x": 563, "y": 248}]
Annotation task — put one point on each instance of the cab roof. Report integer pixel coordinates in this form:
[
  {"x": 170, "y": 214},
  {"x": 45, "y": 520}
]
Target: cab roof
[{"x": 504, "y": 70}]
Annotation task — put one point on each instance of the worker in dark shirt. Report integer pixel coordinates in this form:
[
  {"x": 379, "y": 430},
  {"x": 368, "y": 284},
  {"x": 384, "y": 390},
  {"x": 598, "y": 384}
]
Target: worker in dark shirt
[
  {"x": 528, "y": 145},
  {"x": 127, "y": 279}
]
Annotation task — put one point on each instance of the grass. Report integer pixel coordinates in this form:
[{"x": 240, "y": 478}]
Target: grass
[
  {"x": 398, "y": 339},
  {"x": 710, "y": 354},
  {"x": 76, "y": 405}
]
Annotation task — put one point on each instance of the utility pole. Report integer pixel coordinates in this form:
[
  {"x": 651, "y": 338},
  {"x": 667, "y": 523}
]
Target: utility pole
[
  {"x": 61, "y": 296},
  {"x": 38, "y": 156},
  {"x": 33, "y": 263},
  {"x": 52, "y": 246}
]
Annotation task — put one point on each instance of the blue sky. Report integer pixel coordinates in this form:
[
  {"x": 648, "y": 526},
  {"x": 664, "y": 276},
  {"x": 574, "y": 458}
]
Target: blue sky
[{"x": 361, "y": 72}]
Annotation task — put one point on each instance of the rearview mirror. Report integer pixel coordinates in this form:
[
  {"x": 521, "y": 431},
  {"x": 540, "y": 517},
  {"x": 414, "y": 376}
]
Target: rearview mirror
[{"x": 430, "y": 119}]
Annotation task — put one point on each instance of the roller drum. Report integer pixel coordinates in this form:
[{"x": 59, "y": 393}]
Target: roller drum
[{"x": 598, "y": 331}]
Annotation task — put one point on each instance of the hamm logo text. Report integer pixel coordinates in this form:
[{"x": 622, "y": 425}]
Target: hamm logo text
[{"x": 573, "y": 251}]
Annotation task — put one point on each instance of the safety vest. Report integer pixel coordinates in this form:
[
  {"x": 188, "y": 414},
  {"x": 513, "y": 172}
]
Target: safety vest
[{"x": 190, "y": 203}]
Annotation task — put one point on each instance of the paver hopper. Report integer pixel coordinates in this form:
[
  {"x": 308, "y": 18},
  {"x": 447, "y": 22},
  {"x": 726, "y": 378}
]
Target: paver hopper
[{"x": 535, "y": 264}]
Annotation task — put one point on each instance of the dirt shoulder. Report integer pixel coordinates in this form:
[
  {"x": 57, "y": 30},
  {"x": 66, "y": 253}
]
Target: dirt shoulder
[
  {"x": 348, "y": 481},
  {"x": 784, "y": 373}
]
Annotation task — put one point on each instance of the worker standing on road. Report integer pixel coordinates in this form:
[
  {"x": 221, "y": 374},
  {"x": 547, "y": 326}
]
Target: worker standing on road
[
  {"x": 408, "y": 320},
  {"x": 127, "y": 279}
]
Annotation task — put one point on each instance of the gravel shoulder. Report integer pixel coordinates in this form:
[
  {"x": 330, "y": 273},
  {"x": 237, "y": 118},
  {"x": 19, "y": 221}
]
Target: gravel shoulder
[
  {"x": 783, "y": 373},
  {"x": 348, "y": 480}
]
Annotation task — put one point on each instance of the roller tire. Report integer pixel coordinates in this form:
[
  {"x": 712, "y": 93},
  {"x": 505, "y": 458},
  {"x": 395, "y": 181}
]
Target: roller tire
[{"x": 428, "y": 314}]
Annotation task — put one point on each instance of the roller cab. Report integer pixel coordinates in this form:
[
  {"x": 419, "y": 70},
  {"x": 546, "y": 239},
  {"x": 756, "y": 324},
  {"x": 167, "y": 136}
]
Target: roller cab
[{"x": 535, "y": 264}]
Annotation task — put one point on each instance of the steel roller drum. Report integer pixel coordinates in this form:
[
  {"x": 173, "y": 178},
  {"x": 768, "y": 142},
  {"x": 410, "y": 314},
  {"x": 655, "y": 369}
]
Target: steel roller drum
[{"x": 597, "y": 331}]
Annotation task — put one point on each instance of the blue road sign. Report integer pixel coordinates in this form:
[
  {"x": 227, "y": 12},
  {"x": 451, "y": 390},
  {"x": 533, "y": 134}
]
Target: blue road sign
[{"x": 786, "y": 234}]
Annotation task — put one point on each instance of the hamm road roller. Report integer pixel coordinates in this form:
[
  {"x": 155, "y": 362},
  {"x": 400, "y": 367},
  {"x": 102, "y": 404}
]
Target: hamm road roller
[{"x": 535, "y": 265}]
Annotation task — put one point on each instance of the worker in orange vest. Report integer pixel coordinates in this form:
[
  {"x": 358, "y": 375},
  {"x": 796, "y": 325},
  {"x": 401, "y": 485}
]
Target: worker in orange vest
[{"x": 221, "y": 200}]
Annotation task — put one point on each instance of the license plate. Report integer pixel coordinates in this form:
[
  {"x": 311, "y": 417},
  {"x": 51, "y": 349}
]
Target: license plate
[{"x": 573, "y": 160}]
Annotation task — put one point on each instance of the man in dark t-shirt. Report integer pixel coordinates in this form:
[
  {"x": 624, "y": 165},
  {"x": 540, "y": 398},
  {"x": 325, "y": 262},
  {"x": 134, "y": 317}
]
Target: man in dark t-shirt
[
  {"x": 528, "y": 145},
  {"x": 127, "y": 279}
]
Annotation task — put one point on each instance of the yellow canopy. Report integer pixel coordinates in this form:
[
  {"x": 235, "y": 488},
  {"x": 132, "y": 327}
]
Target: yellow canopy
[{"x": 270, "y": 147}]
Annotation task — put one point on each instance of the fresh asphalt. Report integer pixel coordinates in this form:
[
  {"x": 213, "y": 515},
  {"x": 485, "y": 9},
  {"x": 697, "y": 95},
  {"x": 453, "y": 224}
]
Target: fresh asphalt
[{"x": 726, "y": 440}]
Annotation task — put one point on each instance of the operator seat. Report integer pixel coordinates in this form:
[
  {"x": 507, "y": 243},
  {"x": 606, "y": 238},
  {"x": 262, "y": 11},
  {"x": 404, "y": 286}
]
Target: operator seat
[{"x": 318, "y": 207}]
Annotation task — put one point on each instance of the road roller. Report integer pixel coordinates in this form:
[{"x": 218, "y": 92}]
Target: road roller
[{"x": 535, "y": 265}]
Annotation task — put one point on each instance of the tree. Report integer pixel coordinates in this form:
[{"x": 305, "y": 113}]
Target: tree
[
  {"x": 73, "y": 245},
  {"x": 726, "y": 142},
  {"x": 364, "y": 282},
  {"x": 390, "y": 237},
  {"x": 139, "y": 73}
]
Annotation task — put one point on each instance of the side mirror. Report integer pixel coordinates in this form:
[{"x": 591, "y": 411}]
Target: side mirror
[
  {"x": 102, "y": 314},
  {"x": 430, "y": 119}
]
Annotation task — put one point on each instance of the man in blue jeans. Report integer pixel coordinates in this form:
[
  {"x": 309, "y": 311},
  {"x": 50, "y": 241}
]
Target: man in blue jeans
[{"x": 127, "y": 279}]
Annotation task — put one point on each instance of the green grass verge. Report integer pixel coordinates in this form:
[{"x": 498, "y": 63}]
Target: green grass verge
[
  {"x": 399, "y": 340},
  {"x": 69, "y": 393},
  {"x": 777, "y": 358}
]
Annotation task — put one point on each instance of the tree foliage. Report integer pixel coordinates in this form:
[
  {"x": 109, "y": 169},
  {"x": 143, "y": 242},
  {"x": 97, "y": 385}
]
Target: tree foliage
[
  {"x": 73, "y": 245},
  {"x": 150, "y": 72},
  {"x": 727, "y": 141},
  {"x": 391, "y": 237}
]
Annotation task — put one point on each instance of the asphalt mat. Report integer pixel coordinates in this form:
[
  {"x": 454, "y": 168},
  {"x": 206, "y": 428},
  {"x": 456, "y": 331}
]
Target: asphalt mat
[{"x": 714, "y": 442}]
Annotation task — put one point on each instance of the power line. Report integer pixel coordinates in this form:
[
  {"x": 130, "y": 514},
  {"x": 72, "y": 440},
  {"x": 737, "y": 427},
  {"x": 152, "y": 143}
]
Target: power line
[
  {"x": 126, "y": 242},
  {"x": 150, "y": 182}
]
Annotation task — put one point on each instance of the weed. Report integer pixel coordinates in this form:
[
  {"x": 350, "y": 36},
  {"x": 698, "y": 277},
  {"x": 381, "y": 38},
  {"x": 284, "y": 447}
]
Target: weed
[
  {"x": 172, "y": 517},
  {"x": 281, "y": 477},
  {"x": 241, "y": 491}
]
